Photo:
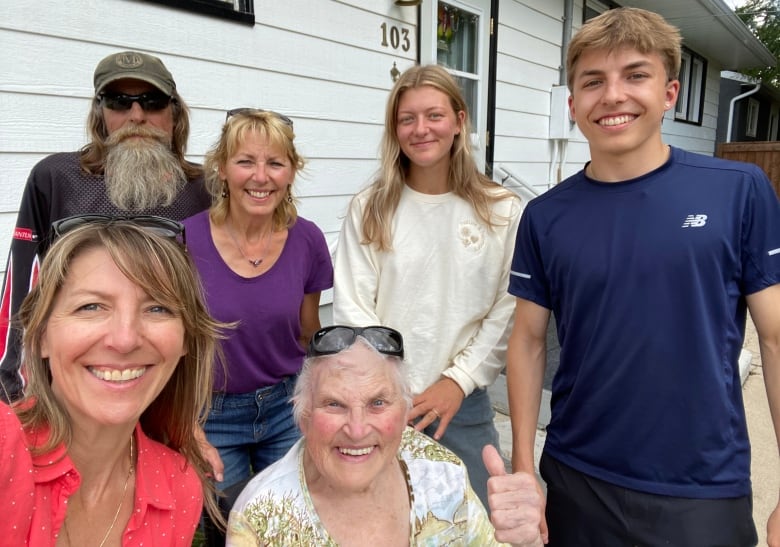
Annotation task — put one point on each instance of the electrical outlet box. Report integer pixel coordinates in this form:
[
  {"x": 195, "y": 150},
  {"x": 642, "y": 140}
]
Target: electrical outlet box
[{"x": 560, "y": 124}]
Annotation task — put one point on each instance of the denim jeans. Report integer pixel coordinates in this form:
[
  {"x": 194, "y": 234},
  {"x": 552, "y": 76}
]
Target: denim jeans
[
  {"x": 251, "y": 430},
  {"x": 469, "y": 431}
]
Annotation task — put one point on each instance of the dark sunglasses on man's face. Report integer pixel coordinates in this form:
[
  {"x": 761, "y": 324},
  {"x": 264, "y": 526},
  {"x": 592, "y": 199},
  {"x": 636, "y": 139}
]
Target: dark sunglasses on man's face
[
  {"x": 236, "y": 111},
  {"x": 151, "y": 101},
  {"x": 337, "y": 338},
  {"x": 160, "y": 226}
]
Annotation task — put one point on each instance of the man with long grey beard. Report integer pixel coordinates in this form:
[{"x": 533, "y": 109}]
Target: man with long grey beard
[
  {"x": 134, "y": 165},
  {"x": 141, "y": 172}
]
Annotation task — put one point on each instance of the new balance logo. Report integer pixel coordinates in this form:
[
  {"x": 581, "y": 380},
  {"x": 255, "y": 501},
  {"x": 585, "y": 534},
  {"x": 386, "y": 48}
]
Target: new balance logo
[{"x": 695, "y": 221}]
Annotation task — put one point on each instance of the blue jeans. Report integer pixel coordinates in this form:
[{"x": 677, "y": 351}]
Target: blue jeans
[
  {"x": 251, "y": 430},
  {"x": 469, "y": 431}
]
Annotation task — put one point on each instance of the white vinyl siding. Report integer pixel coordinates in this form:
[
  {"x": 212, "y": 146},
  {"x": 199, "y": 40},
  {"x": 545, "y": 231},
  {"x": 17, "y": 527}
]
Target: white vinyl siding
[{"x": 328, "y": 70}]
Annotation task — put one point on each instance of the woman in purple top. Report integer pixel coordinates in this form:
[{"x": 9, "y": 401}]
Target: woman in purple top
[{"x": 262, "y": 267}]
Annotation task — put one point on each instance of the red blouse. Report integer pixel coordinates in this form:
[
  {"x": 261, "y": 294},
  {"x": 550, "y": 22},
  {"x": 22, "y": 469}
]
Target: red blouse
[{"x": 35, "y": 491}]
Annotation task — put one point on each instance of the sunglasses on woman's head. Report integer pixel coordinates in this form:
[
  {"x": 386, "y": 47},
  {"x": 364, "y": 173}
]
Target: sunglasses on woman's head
[
  {"x": 160, "y": 226},
  {"x": 337, "y": 338},
  {"x": 237, "y": 111},
  {"x": 151, "y": 101}
]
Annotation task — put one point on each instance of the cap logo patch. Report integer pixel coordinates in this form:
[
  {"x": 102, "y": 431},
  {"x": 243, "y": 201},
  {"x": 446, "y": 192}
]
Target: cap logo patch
[{"x": 129, "y": 60}]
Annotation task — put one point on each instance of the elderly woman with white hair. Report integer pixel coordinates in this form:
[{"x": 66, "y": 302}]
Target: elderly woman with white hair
[{"x": 359, "y": 475}]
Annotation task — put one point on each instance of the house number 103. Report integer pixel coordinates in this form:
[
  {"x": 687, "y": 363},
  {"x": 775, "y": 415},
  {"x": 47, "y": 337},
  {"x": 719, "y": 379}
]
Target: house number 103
[{"x": 399, "y": 37}]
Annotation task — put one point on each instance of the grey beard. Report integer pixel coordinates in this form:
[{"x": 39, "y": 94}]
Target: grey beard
[{"x": 141, "y": 173}]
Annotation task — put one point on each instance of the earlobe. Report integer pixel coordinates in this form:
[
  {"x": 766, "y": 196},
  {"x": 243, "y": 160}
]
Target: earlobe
[
  {"x": 304, "y": 425},
  {"x": 572, "y": 117},
  {"x": 44, "y": 346},
  {"x": 461, "y": 119},
  {"x": 672, "y": 89}
]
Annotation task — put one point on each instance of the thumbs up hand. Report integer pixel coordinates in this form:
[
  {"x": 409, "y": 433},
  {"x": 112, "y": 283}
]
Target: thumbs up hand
[{"x": 516, "y": 503}]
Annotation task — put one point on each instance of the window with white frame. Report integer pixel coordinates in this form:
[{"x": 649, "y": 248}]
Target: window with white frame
[
  {"x": 456, "y": 36},
  {"x": 693, "y": 78},
  {"x": 237, "y": 10},
  {"x": 751, "y": 125}
]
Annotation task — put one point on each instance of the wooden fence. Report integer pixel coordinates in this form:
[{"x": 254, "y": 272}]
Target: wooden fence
[{"x": 764, "y": 154}]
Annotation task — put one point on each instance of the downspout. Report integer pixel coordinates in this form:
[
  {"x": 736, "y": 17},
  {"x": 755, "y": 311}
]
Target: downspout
[
  {"x": 559, "y": 145},
  {"x": 568, "y": 21},
  {"x": 731, "y": 108}
]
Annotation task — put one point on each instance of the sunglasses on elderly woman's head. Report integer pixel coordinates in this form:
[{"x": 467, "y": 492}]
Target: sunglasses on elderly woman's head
[
  {"x": 337, "y": 338},
  {"x": 160, "y": 226},
  {"x": 151, "y": 101},
  {"x": 237, "y": 111}
]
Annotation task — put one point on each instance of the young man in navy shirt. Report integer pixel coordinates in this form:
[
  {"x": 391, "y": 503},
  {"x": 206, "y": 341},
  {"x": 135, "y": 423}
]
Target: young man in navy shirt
[{"x": 649, "y": 258}]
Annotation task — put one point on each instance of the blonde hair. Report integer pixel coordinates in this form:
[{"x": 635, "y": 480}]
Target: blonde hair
[
  {"x": 160, "y": 267},
  {"x": 464, "y": 178},
  {"x": 93, "y": 155},
  {"x": 643, "y": 30},
  {"x": 268, "y": 126}
]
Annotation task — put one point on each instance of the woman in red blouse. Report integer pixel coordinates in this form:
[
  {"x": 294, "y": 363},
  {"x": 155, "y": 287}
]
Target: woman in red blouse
[{"x": 118, "y": 352}]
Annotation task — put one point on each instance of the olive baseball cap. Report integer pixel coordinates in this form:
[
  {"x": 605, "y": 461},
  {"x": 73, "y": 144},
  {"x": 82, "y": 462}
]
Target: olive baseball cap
[{"x": 132, "y": 64}]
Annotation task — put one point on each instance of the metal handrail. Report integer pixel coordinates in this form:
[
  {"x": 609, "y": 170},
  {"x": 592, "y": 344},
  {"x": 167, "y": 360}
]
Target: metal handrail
[{"x": 519, "y": 182}]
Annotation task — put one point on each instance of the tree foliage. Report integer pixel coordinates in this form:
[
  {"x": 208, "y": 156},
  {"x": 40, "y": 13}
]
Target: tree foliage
[{"x": 763, "y": 18}]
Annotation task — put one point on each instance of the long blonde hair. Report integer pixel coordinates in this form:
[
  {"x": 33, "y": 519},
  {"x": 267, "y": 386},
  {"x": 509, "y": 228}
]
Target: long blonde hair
[
  {"x": 160, "y": 267},
  {"x": 464, "y": 179}
]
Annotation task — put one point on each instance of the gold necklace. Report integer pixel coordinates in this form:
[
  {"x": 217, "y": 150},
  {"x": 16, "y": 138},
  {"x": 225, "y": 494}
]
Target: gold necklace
[
  {"x": 255, "y": 263},
  {"x": 118, "y": 509}
]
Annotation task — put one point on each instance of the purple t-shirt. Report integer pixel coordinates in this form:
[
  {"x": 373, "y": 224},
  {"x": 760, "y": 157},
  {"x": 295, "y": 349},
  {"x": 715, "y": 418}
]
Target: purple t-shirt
[{"x": 264, "y": 347}]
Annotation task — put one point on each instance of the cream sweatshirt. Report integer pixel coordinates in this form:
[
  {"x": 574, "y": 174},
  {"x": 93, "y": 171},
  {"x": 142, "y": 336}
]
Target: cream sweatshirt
[{"x": 443, "y": 285}]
